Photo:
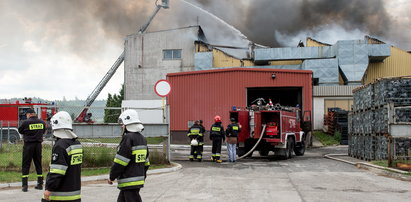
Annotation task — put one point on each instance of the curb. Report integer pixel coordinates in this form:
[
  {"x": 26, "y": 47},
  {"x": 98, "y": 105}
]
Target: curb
[
  {"x": 175, "y": 167},
  {"x": 391, "y": 172}
]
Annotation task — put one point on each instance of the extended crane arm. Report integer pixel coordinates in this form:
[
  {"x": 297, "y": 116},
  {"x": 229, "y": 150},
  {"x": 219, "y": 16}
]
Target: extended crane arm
[{"x": 99, "y": 88}]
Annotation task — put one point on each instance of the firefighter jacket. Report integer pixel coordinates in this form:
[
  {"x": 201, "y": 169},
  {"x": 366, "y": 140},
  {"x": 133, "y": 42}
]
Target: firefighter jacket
[
  {"x": 196, "y": 132},
  {"x": 233, "y": 130},
  {"x": 131, "y": 162},
  {"x": 63, "y": 179},
  {"x": 33, "y": 129},
  {"x": 217, "y": 131}
]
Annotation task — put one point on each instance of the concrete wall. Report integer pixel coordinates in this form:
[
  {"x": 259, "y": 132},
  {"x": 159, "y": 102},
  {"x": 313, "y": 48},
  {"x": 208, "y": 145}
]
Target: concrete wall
[
  {"x": 149, "y": 111},
  {"x": 144, "y": 64},
  {"x": 114, "y": 130}
]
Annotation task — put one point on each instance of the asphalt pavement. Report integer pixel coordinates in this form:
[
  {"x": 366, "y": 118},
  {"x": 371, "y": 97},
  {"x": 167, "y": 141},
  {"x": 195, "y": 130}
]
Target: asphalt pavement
[{"x": 307, "y": 178}]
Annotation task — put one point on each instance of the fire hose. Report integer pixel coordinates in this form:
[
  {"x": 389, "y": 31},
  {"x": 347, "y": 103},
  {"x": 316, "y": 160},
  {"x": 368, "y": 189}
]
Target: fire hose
[{"x": 256, "y": 144}]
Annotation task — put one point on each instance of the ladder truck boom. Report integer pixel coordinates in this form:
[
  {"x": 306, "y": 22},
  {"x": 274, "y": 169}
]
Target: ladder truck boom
[{"x": 86, "y": 117}]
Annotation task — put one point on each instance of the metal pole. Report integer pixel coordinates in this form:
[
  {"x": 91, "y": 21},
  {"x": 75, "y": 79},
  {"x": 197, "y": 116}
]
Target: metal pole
[{"x": 169, "y": 134}]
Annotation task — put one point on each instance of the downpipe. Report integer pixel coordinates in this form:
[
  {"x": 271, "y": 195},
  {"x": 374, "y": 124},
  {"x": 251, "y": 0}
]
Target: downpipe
[{"x": 256, "y": 144}]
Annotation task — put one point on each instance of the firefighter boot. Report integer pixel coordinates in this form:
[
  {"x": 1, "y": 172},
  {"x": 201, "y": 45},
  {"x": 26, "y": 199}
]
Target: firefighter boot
[
  {"x": 219, "y": 161},
  {"x": 39, "y": 185},
  {"x": 25, "y": 184}
]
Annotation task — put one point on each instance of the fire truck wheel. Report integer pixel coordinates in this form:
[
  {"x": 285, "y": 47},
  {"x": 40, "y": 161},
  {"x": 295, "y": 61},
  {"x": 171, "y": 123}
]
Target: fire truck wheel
[
  {"x": 290, "y": 147},
  {"x": 299, "y": 149},
  {"x": 13, "y": 139}
]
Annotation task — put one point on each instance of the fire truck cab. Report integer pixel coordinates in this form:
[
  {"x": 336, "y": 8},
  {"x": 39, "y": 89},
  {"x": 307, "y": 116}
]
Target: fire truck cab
[
  {"x": 13, "y": 114},
  {"x": 281, "y": 130}
]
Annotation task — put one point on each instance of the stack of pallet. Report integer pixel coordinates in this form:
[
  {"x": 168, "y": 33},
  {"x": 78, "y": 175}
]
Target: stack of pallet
[{"x": 369, "y": 121}]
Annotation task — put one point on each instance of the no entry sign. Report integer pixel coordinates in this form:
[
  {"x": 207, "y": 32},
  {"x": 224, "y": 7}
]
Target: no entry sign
[{"x": 162, "y": 88}]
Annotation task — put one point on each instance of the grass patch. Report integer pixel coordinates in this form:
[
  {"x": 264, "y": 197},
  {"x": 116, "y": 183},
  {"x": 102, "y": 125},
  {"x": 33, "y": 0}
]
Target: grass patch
[
  {"x": 14, "y": 176},
  {"x": 380, "y": 163},
  {"x": 326, "y": 139},
  {"x": 116, "y": 140}
]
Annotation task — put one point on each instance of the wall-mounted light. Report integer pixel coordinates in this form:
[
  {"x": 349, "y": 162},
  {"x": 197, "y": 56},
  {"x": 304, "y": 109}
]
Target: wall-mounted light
[{"x": 273, "y": 76}]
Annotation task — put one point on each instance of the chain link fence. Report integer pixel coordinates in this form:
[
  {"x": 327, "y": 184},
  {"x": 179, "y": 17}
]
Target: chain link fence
[{"x": 98, "y": 138}]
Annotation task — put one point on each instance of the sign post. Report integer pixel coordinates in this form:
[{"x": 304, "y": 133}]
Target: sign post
[{"x": 162, "y": 89}]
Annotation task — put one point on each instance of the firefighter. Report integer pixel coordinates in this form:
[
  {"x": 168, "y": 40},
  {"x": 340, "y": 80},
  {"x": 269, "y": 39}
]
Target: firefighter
[
  {"x": 195, "y": 133},
  {"x": 63, "y": 181},
  {"x": 32, "y": 130},
  {"x": 131, "y": 161},
  {"x": 232, "y": 132},
  {"x": 217, "y": 136}
]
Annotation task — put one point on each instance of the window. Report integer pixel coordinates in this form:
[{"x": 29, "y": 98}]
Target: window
[{"x": 172, "y": 54}]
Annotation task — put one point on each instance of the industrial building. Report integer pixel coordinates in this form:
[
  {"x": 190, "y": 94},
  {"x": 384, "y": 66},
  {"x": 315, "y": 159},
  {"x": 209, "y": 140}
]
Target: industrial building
[{"x": 337, "y": 68}]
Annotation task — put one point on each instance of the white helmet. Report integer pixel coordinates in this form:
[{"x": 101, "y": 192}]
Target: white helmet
[
  {"x": 128, "y": 117},
  {"x": 194, "y": 142},
  {"x": 61, "y": 120},
  {"x": 61, "y": 125}
]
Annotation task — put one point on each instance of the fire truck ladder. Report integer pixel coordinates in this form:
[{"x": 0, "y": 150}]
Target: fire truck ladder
[{"x": 82, "y": 117}]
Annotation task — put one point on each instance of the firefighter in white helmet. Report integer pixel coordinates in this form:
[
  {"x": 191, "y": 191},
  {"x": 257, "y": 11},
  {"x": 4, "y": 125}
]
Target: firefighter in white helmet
[
  {"x": 63, "y": 181},
  {"x": 131, "y": 161}
]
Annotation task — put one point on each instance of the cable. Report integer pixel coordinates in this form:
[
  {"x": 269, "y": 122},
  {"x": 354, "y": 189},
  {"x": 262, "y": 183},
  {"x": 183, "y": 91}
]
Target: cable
[{"x": 252, "y": 150}]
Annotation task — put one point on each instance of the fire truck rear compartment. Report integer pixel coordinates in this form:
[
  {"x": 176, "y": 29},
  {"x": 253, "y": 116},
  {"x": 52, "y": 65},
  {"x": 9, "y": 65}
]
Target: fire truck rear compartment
[{"x": 285, "y": 96}]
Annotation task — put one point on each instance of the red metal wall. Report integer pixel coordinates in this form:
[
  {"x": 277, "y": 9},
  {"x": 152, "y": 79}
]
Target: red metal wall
[{"x": 204, "y": 94}]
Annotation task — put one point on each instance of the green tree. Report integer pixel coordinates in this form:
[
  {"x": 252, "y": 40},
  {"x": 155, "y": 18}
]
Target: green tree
[{"x": 111, "y": 115}]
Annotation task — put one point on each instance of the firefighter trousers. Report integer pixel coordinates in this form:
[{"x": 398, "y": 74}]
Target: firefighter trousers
[
  {"x": 31, "y": 151},
  {"x": 196, "y": 152},
  {"x": 216, "y": 149},
  {"x": 130, "y": 195}
]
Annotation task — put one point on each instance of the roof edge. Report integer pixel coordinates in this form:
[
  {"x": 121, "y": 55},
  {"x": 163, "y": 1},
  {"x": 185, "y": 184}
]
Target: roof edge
[{"x": 236, "y": 69}]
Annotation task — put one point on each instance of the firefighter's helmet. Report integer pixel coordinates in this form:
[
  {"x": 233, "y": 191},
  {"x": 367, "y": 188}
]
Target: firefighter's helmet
[
  {"x": 61, "y": 120},
  {"x": 62, "y": 125},
  {"x": 232, "y": 120},
  {"x": 217, "y": 119},
  {"x": 131, "y": 120},
  {"x": 128, "y": 117}
]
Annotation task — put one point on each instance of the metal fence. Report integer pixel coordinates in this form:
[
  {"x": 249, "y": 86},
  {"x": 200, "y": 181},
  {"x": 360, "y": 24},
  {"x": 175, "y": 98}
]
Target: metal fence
[{"x": 99, "y": 140}]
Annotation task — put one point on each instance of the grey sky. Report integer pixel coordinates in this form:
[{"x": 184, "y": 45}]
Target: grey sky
[{"x": 56, "y": 48}]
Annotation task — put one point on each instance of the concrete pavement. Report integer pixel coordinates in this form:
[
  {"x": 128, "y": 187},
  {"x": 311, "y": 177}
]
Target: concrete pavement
[{"x": 307, "y": 178}]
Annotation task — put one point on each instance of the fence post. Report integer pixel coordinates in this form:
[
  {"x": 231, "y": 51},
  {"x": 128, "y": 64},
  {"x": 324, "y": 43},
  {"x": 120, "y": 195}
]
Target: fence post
[
  {"x": 1, "y": 134},
  {"x": 390, "y": 152},
  {"x": 8, "y": 131}
]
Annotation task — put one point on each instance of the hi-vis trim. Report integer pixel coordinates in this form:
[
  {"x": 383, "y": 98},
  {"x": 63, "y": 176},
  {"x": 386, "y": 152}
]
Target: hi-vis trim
[
  {"x": 235, "y": 127},
  {"x": 65, "y": 196},
  {"x": 132, "y": 181},
  {"x": 74, "y": 149},
  {"x": 36, "y": 126},
  {"x": 147, "y": 163},
  {"x": 216, "y": 129},
  {"x": 58, "y": 169},
  {"x": 139, "y": 147},
  {"x": 121, "y": 160}
]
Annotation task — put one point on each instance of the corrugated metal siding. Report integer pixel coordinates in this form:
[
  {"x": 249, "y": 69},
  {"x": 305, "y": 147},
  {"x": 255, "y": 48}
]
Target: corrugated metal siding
[
  {"x": 204, "y": 94},
  {"x": 331, "y": 91},
  {"x": 398, "y": 64}
]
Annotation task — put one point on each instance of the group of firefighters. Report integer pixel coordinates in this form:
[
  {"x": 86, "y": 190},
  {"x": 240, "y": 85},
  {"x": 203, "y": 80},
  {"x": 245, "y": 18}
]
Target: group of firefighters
[
  {"x": 63, "y": 182},
  {"x": 217, "y": 136}
]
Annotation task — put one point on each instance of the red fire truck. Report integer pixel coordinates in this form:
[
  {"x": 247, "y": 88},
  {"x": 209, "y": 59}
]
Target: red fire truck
[
  {"x": 279, "y": 129},
  {"x": 12, "y": 114}
]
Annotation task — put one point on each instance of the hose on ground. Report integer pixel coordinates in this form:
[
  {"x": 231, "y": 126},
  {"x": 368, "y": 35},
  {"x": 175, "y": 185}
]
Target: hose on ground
[{"x": 256, "y": 144}]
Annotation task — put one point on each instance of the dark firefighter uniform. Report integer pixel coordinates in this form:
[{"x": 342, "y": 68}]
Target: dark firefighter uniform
[
  {"x": 217, "y": 136},
  {"x": 232, "y": 130},
  {"x": 130, "y": 166},
  {"x": 63, "y": 179},
  {"x": 32, "y": 130},
  {"x": 196, "y": 132}
]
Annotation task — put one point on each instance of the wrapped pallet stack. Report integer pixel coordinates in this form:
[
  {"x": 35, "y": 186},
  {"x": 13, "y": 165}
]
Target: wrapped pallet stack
[{"x": 381, "y": 112}]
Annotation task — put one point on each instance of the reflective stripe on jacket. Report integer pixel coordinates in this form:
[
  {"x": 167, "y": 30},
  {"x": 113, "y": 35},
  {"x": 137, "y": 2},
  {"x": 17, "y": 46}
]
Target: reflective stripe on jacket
[
  {"x": 131, "y": 161},
  {"x": 63, "y": 179}
]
